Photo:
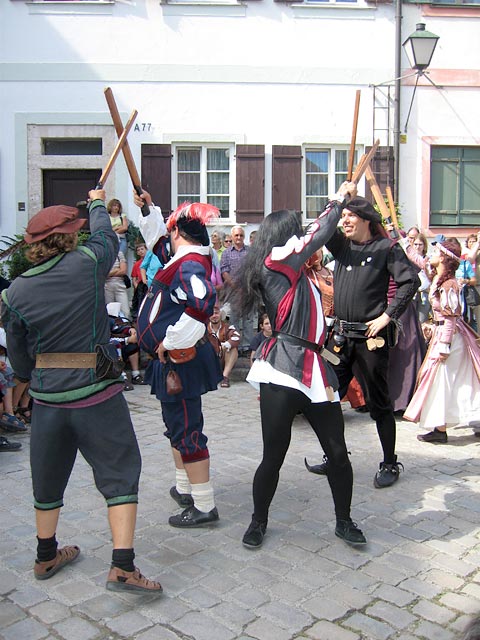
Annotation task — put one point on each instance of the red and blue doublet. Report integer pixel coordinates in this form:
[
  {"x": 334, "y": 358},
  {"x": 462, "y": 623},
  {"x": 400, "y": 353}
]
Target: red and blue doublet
[{"x": 178, "y": 304}]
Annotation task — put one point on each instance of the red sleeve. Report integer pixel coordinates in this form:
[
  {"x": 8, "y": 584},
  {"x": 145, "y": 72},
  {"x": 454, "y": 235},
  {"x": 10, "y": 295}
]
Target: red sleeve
[{"x": 136, "y": 269}]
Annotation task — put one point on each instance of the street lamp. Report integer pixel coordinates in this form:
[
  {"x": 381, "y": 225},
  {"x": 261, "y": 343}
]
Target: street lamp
[{"x": 419, "y": 47}]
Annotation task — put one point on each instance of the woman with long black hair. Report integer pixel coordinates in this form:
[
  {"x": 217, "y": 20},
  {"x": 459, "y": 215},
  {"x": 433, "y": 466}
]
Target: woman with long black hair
[{"x": 289, "y": 368}]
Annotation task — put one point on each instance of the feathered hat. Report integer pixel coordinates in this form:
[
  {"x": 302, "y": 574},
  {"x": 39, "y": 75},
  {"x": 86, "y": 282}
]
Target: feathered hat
[{"x": 192, "y": 218}]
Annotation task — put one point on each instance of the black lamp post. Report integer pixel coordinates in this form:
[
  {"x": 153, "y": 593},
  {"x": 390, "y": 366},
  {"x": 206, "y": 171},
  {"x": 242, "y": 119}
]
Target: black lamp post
[{"x": 419, "y": 47}]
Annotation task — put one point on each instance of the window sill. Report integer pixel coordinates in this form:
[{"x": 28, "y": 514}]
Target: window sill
[
  {"x": 451, "y": 11},
  {"x": 333, "y": 10},
  {"x": 212, "y": 8},
  {"x": 71, "y": 7}
]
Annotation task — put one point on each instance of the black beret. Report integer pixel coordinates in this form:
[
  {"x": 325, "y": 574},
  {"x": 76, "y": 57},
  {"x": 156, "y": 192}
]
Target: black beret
[
  {"x": 363, "y": 209},
  {"x": 195, "y": 229}
]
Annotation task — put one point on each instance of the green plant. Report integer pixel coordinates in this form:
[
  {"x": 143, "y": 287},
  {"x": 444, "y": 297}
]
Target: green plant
[
  {"x": 397, "y": 210},
  {"x": 15, "y": 263},
  {"x": 133, "y": 235}
]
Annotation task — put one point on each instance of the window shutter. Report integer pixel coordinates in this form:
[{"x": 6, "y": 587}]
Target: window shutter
[
  {"x": 250, "y": 189},
  {"x": 157, "y": 174},
  {"x": 382, "y": 167},
  {"x": 286, "y": 177}
]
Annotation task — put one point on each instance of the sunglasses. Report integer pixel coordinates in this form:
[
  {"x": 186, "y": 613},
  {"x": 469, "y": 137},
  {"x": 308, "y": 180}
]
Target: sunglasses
[{"x": 227, "y": 241}]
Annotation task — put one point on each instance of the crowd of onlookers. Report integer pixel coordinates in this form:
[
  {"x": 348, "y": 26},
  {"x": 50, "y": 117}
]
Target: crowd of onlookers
[
  {"x": 233, "y": 335},
  {"x": 465, "y": 274}
]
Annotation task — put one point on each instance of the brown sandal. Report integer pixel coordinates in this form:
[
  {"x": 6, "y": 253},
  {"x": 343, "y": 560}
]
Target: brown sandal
[
  {"x": 24, "y": 414},
  {"x": 48, "y": 568},
  {"x": 120, "y": 580}
]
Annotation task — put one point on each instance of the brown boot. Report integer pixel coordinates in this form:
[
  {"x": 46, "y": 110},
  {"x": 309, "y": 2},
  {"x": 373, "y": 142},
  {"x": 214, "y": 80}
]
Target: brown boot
[
  {"x": 120, "y": 580},
  {"x": 48, "y": 568}
]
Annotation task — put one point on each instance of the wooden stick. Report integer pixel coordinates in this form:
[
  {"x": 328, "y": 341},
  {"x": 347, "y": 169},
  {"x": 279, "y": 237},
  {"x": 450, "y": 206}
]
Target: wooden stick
[
  {"x": 351, "y": 156},
  {"x": 121, "y": 141},
  {"x": 391, "y": 204},
  {"x": 118, "y": 124},
  {"x": 379, "y": 199},
  {"x": 364, "y": 162},
  {"x": 127, "y": 153}
]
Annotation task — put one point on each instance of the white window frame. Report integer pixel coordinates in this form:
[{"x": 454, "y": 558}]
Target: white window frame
[
  {"x": 203, "y": 172},
  {"x": 331, "y": 174},
  {"x": 70, "y": 7}
]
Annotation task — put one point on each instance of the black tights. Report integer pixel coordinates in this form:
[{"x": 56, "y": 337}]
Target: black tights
[{"x": 278, "y": 406}]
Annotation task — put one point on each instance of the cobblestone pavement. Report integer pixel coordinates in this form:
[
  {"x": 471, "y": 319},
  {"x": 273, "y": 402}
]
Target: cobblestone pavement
[{"x": 417, "y": 578}]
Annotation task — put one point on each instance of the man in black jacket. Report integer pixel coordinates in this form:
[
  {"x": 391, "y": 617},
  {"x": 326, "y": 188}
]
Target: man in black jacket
[{"x": 366, "y": 260}]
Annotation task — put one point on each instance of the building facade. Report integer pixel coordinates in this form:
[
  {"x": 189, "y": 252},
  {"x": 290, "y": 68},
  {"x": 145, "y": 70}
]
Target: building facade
[{"x": 247, "y": 105}]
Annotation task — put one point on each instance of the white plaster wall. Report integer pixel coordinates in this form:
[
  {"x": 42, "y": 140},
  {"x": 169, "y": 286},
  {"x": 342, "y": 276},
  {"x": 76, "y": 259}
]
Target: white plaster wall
[{"x": 267, "y": 76}]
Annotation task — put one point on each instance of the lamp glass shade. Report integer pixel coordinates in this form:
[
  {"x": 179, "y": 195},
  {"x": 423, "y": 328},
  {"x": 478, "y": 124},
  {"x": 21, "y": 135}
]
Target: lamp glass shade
[{"x": 420, "y": 46}]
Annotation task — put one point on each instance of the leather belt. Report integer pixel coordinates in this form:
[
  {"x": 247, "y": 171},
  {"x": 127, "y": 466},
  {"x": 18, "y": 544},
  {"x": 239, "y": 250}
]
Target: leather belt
[
  {"x": 345, "y": 325},
  {"x": 66, "y": 360},
  {"x": 306, "y": 344}
]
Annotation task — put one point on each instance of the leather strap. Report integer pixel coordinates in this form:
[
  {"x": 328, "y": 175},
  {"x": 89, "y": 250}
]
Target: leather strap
[
  {"x": 306, "y": 344},
  {"x": 345, "y": 325},
  {"x": 66, "y": 360}
]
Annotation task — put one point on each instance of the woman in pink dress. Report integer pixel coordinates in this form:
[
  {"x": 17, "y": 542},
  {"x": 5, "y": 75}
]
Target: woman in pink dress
[{"x": 448, "y": 385}]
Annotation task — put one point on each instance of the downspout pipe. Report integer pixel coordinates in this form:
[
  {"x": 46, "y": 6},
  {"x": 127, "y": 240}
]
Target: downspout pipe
[{"x": 396, "y": 110}]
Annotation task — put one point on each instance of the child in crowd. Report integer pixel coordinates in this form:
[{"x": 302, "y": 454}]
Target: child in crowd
[
  {"x": 8, "y": 420},
  {"x": 264, "y": 333}
]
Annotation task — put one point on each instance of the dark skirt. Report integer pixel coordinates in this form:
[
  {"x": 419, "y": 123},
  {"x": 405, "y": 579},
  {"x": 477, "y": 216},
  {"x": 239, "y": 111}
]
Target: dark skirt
[
  {"x": 405, "y": 359},
  {"x": 200, "y": 375}
]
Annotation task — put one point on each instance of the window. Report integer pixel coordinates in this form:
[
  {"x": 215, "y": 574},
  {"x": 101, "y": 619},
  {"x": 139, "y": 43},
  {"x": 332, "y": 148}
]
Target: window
[
  {"x": 325, "y": 170},
  {"x": 72, "y": 146},
  {"x": 455, "y": 186},
  {"x": 331, "y": 1},
  {"x": 445, "y": 3},
  {"x": 204, "y": 173}
]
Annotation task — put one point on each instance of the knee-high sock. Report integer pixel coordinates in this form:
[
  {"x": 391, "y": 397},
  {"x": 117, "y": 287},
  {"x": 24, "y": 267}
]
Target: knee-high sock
[
  {"x": 182, "y": 482},
  {"x": 202, "y": 495}
]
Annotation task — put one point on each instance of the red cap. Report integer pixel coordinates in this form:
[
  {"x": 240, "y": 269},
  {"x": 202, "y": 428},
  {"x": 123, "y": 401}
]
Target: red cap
[{"x": 56, "y": 219}]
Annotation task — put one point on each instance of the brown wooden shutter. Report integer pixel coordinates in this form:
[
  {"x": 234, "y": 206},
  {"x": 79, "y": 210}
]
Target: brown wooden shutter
[
  {"x": 157, "y": 174},
  {"x": 286, "y": 177},
  {"x": 250, "y": 190},
  {"x": 382, "y": 167}
]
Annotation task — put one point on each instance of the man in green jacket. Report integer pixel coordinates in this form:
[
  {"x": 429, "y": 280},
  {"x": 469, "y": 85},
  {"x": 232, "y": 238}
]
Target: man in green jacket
[{"x": 54, "y": 315}]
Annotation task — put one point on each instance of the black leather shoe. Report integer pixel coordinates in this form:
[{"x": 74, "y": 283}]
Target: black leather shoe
[
  {"x": 348, "y": 530},
  {"x": 436, "y": 436},
  {"x": 253, "y": 537},
  {"x": 6, "y": 445},
  {"x": 320, "y": 469},
  {"x": 182, "y": 499},
  {"x": 387, "y": 474},
  {"x": 192, "y": 517}
]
